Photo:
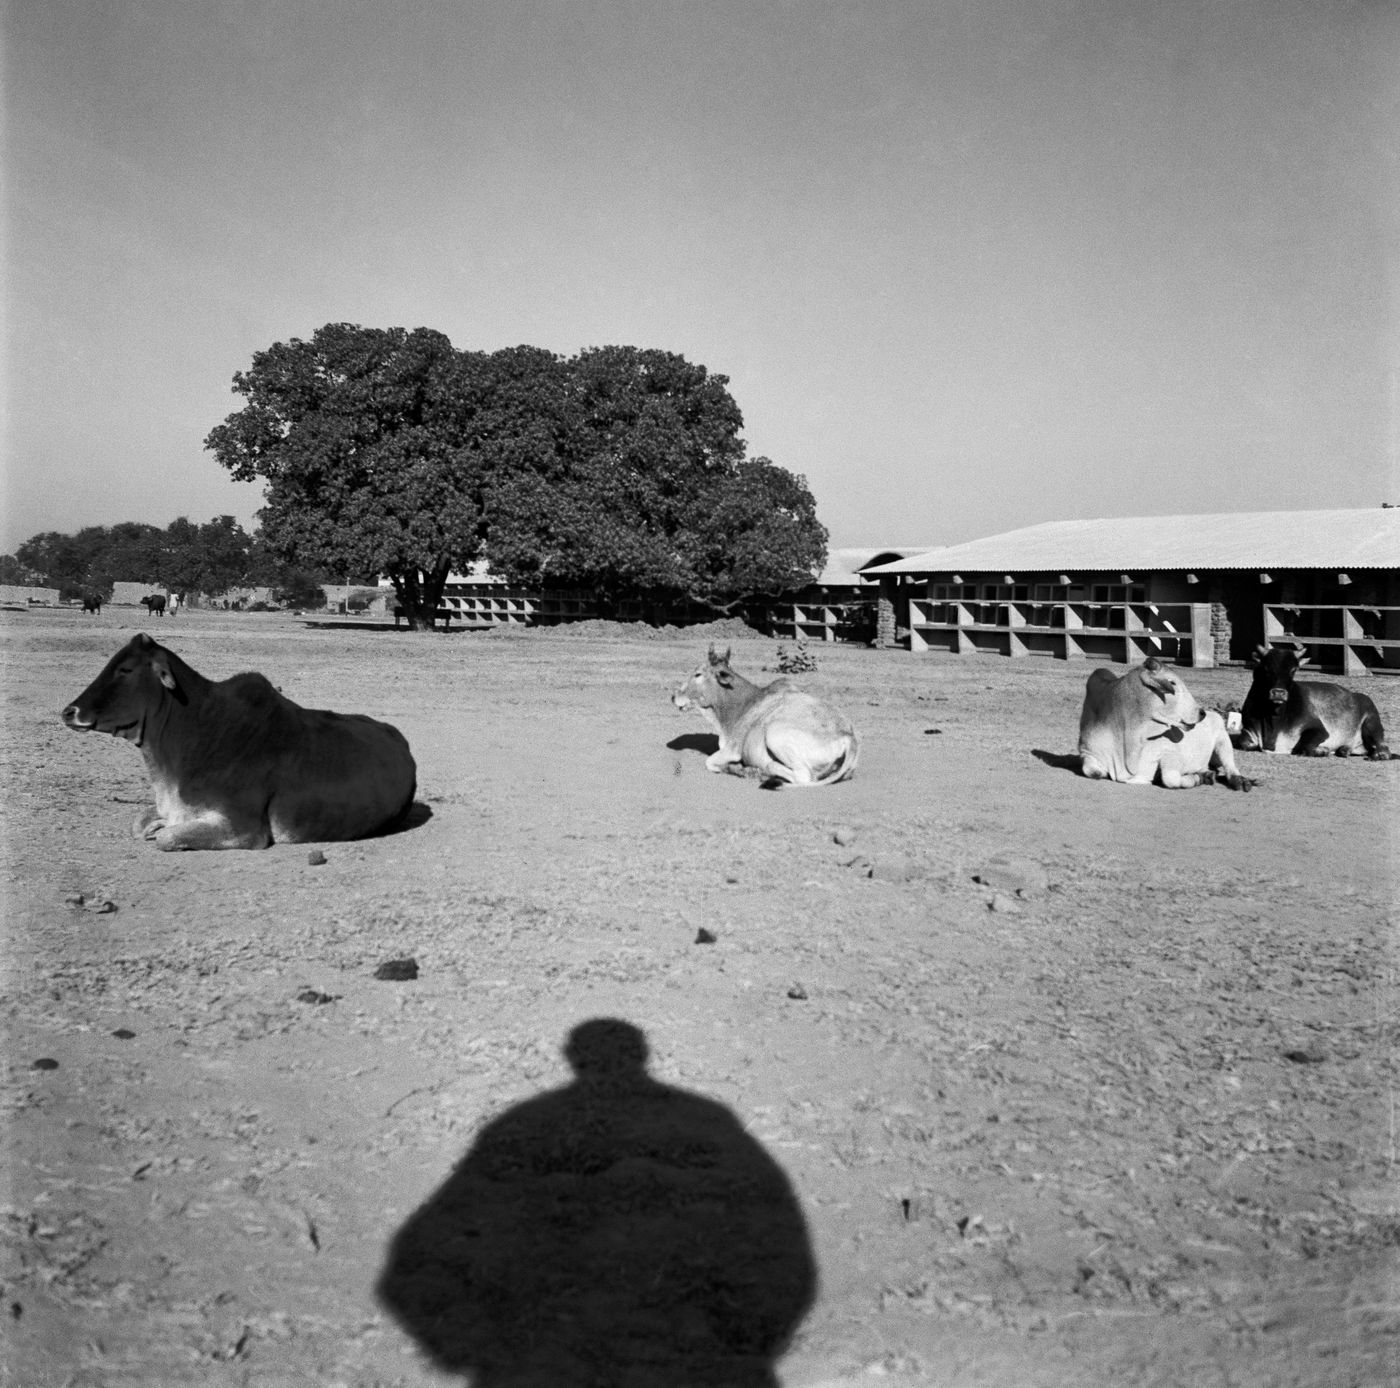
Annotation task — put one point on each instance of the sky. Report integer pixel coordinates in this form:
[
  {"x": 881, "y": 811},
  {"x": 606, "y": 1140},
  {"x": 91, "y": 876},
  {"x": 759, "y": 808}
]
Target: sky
[{"x": 968, "y": 265}]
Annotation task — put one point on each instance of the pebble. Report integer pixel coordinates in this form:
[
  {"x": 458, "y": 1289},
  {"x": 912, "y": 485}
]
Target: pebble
[
  {"x": 704, "y": 937},
  {"x": 397, "y": 970},
  {"x": 315, "y": 858},
  {"x": 312, "y": 996},
  {"x": 1004, "y": 904},
  {"x": 843, "y": 834}
]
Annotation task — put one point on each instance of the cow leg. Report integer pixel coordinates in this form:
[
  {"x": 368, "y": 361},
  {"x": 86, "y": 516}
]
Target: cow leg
[
  {"x": 1223, "y": 760},
  {"x": 1310, "y": 741},
  {"x": 211, "y": 831},
  {"x": 725, "y": 760},
  {"x": 146, "y": 823},
  {"x": 1373, "y": 737}
]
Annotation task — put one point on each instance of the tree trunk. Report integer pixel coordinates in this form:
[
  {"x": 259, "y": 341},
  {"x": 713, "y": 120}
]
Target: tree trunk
[{"x": 419, "y": 594}]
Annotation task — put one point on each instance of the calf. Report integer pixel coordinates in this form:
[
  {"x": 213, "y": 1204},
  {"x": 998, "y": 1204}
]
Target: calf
[
  {"x": 791, "y": 738},
  {"x": 1144, "y": 726},
  {"x": 234, "y": 764},
  {"x": 1305, "y": 717}
]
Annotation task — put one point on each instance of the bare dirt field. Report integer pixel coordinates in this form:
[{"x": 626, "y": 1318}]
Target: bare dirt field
[{"x": 1122, "y": 1113}]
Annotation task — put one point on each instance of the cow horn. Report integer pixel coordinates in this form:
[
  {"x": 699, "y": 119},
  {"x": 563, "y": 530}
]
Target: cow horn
[
  {"x": 1300, "y": 648},
  {"x": 1261, "y": 649}
]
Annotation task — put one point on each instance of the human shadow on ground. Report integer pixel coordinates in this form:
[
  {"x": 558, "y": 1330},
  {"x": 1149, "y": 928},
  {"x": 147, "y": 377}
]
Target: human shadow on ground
[
  {"x": 707, "y": 743},
  {"x": 615, "y": 1232},
  {"x": 1061, "y": 761}
]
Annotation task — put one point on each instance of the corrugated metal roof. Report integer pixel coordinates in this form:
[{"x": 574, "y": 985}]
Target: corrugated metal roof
[
  {"x": 1350, "y": 539},
  {"x": 844, "y": 566}
]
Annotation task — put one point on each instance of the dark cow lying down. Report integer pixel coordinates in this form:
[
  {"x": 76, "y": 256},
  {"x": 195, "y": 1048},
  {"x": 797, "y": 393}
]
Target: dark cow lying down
[
  {"x": 1306, "y": 717},
  {"x": 1144, "y": 726},
  {"x": 234, "y": 764}
]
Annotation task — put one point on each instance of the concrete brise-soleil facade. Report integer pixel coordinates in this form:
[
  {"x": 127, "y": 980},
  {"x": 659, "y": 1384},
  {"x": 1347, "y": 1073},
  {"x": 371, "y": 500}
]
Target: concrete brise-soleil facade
[{"x": 1198, "y": 589}]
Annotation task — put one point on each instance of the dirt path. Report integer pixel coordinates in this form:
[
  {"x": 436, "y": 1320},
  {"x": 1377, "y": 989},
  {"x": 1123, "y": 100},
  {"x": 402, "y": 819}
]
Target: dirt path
[{"x": 1136, "y": 1126}]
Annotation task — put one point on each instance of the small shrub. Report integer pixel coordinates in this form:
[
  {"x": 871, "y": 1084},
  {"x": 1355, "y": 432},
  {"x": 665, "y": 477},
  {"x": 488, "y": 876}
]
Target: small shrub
[{"x": 799, "y": 661}]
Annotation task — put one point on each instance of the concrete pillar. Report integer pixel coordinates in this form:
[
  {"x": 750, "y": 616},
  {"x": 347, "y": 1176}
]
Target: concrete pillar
[{"x": 886, "y": 619}]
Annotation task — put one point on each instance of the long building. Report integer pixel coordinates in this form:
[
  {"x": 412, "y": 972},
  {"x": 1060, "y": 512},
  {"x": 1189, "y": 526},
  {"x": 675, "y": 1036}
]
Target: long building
[{"x": 1201, "y": 590}]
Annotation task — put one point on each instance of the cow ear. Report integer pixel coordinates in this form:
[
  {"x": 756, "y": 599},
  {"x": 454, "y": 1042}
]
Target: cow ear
[
  {"x": 1162, "y": 685},
  {"x": 160, "y": 663},
  {"x": 724, "y": 678}
]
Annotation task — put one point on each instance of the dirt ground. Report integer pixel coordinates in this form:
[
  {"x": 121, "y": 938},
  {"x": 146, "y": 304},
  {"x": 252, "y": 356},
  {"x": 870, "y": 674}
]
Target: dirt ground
[{"x": 1121, "y": 1113}]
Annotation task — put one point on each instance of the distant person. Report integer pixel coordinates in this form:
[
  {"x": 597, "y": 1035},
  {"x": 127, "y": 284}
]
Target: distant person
[{"x": 615, "y": 1231}]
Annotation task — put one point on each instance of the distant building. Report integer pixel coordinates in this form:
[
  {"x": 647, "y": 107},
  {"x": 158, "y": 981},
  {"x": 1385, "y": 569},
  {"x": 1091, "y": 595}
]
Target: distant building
[
  {"x": 840, "y": 603},
  {"x": 27, "y": 595},
  {"x": 126, "y": 594},
  {"x": 1200, "y": 589}
]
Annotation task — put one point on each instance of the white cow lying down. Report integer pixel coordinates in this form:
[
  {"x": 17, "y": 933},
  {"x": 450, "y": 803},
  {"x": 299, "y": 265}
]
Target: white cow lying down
[
  {"x": 789, "y": 737},
  {"x": 1144, "y": 725}
]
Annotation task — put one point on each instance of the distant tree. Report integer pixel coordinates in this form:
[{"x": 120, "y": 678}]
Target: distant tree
[
  {"x": 208, "y": 558},
  {"x": 12, "y": 571},
  {"x": 358, "y": 436},
  {"x": 132, "y": 554},
  {"x": 61, "y": 559},
  {"x": 96, "y": 557}
]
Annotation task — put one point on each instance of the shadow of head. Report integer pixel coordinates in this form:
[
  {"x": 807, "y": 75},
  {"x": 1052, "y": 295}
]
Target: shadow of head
[
  {"x": 616, "y": 1230},
  {"x": 1061, "y": 761},
  {"x": 708, "y": 743}
]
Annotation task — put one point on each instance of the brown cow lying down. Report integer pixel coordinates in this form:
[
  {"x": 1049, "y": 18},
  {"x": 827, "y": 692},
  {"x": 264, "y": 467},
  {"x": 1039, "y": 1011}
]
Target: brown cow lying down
[
  {"x": 234, "y": 764},
  {"x": 789, "y": 737},
  {"x": 1144, "y": 725}
]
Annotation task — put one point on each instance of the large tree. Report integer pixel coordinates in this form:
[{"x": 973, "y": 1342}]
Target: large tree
[
  {"x": 358, "y": 436},
  {"x": 621, "y": 469}
]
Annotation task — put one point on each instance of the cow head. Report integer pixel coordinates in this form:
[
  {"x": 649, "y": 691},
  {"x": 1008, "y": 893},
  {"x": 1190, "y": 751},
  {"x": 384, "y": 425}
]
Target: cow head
[
  {"x": 1274, "y": 668},
  {"x": 131, "y": 686},
  {"x": 703, "y": 687}
]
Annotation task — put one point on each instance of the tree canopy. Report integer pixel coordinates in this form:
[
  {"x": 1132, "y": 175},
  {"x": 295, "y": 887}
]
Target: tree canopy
[
  {"x": 357, "y": 434},
  {"x": 621, "y": 469},
  {"x": 185, "y": 557}
]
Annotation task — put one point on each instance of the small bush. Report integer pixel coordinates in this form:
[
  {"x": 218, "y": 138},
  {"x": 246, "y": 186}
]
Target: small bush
[{"x": 799, "y": 661}]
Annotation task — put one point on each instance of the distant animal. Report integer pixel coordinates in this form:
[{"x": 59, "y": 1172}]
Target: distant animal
[
  {"x": 92, "y": 602},
  {"x": 1144, "y": 726},
  {"x": 790, "y": 737},
  {"x": 235, "y": 764},
  {"x": 1308, "y": 718},
  {"x": 154, "y": 604}
]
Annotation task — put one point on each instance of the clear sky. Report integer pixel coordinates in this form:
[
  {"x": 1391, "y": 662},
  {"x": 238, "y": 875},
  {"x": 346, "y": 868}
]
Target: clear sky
[{"x": 968, "y": 264}]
